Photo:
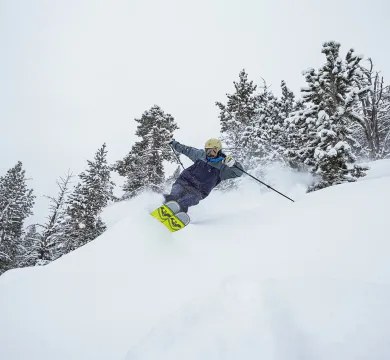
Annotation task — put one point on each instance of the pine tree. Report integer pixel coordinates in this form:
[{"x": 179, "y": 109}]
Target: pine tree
[
  {"x": 268, "y": 135},
  {"x": 301, "y": 139},
  {"x": 16, "y": 202},
  {"x": 52, "y": 240},
  {"x": 287, "y": 106},
  {"x": 260, "y": 137},
  {"x": 287, "y": 103},
  {"x": 28, "y": 253},
  {"x": 133, "y": 169},
  {"x": 253, "y": 123},
  {"x": 82, "y": 223},
  {"x": 238, "y": 117},
  {"x": 321, "y": 132},
  {"x": 143, "y": 166}
]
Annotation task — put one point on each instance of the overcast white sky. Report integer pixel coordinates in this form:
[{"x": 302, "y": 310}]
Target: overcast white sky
[{"x": 75, "y": 73}]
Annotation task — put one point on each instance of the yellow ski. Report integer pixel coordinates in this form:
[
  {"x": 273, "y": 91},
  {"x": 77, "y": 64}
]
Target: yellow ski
[
  {"x": 162, "y": 213},
  {"x": 172, "y": 221}
]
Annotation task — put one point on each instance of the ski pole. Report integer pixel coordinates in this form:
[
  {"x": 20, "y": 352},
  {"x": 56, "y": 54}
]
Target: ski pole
[
  {"x": 269, "y": 187},
  {"x": 178, "y": 159}
]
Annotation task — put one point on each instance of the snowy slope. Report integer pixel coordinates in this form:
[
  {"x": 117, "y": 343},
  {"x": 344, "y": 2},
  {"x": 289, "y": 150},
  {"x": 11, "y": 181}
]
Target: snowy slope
[{"x": 254, "y": 276}]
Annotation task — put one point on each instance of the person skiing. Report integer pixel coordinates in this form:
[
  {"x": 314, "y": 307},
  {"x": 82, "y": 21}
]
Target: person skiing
[{"x": 210, "y": 167}]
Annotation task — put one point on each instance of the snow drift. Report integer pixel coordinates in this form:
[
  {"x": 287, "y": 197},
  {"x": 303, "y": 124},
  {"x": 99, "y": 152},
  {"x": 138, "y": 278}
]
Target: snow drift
[{"x": 253, "y": 276}]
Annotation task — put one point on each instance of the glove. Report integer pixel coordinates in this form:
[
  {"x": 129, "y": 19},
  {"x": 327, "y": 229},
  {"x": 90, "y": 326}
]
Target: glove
[
  {"x": 169, "y": 139},
  {"x": 229, "y": 161}
]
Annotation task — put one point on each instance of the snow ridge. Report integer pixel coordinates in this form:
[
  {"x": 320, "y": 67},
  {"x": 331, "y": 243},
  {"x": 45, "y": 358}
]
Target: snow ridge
[{"x": 254, "y": 276}]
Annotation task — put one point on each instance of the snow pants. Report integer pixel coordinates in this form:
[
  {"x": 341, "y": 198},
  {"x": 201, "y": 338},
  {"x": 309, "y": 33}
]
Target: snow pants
[{"x": 184, "y": 194}]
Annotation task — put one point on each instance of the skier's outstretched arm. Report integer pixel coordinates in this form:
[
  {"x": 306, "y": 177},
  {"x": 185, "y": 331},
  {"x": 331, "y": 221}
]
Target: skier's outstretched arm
[
  {"x": 232, "y": 169},
  {"x": 193, "y": 153}
]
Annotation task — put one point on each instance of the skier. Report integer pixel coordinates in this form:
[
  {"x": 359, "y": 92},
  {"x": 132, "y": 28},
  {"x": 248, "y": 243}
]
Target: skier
[{"x": 210, "y": 167}]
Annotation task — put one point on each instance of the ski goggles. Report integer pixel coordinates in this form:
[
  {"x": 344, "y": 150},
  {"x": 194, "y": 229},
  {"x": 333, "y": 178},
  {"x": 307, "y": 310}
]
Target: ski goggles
[{"x": 212, "y": 152}]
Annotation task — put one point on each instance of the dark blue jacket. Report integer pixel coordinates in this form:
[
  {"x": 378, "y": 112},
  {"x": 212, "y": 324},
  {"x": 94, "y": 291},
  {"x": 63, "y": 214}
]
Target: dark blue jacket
[{"x": 203, "y": 174}]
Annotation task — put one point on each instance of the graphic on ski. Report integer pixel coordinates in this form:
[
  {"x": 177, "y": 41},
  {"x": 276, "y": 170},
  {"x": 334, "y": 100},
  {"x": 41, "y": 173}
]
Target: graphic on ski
[{"x": 170, "y": 215}]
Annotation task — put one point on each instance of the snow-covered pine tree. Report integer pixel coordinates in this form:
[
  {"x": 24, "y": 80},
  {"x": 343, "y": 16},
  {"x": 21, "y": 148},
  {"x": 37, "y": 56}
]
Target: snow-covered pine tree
[
  {"x": 252, "y": 123},
  {"x": 93, "y": 192},
  {"x": 287, "y": 105},
  {"x": 239, "y": 115},
  {"x": 268, "y": 135},
  {"x": 16, "y": 202},
  {"x": 324, "y": 126},
  {"x": 276, "y": 111},
  {"x": 29, "y": 249},
  {"x": 50, "y": 244},
  {"x": 132, "y": 168},
  {"x": 261, "y": 138},
  {"x": 372, "y": 125},
  {"x": 301, "y": 139},
  {"x": 143, "y": 166}
]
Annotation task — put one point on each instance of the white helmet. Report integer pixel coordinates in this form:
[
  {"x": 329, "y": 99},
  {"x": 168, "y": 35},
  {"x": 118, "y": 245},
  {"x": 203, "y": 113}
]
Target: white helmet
[{"x": 213, "y": 144}]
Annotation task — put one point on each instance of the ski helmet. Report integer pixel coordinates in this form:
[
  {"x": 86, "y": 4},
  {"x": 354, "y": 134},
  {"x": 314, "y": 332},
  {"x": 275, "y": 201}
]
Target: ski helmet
[{"x": 213, "y": 144}]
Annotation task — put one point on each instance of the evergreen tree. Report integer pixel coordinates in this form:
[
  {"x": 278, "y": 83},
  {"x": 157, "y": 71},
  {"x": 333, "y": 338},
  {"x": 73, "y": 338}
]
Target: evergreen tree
[
  {"x": 143, "y": 166},
  {"x": 29, "y": 249},
  {"x": 49, "y": 245},
  {"x": 321, "y": 133},
  {"x": 16, "y": 202},
  {"x": 132, "y": 167},
  {"x": 268, "y": 135},
  {"x": 239, "y": 116},
  {"x": 259, "y": 138},
  {"x": 287, "y": 103},
  {"x": 287, "y": 106},
  {"x": 253, "y": 123},
  {"x": 82, "y": 222}
]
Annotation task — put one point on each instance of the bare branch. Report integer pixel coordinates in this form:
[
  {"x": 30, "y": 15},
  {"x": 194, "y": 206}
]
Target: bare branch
[{"x": 380, "y": 92}]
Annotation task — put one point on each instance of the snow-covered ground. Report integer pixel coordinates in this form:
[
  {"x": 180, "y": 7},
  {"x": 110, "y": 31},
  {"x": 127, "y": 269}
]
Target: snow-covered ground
[{"x": 254, "y": 276}]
